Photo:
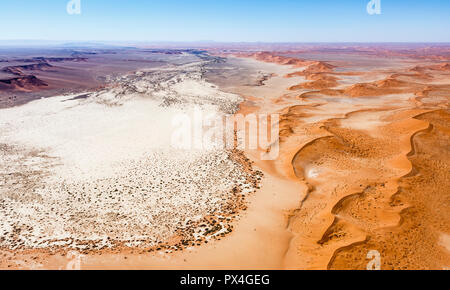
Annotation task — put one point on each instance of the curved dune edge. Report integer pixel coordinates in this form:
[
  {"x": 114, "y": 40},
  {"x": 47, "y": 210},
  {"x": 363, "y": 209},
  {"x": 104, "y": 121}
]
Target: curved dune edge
[
  {"x": 316, "y": 245},
  {"x": 424, "y": 221},
  {"x": 320, "y": 238},
  {"x": 406, "y": 164}
]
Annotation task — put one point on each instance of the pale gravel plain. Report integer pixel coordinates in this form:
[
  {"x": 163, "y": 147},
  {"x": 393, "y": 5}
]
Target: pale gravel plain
[{"x": 99, "y": 172}]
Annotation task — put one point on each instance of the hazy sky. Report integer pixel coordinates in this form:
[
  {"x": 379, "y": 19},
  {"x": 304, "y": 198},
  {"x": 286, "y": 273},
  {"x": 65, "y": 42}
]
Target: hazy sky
[{"x": 227, "y": 20}]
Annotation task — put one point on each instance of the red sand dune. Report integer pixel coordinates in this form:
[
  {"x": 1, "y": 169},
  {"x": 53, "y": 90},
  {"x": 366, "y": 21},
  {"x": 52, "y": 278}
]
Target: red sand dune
[
  {"x": 272, "y": 58},
  {"x": 319, "y": 82},
  {"x": 19, "y": 69},
  {"x": 23, "y": 83}
]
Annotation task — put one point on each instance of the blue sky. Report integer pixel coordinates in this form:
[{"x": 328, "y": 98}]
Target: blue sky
[{"x": 227, "y": 20}]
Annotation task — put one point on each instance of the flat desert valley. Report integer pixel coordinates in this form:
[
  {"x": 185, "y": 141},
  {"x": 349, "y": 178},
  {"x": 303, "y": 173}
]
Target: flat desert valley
[{"x": 89, "y": 173}]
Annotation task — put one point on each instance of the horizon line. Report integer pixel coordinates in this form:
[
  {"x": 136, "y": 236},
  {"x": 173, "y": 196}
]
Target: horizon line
[{"x": 219, "y": 42}]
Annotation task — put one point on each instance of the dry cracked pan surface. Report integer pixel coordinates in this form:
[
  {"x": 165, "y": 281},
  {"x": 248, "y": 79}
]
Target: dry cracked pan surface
[{"x": 100, "y": 172}]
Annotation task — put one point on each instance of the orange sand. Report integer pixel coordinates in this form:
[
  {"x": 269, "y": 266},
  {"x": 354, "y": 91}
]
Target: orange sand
[{"x": 360, "y": 165}]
